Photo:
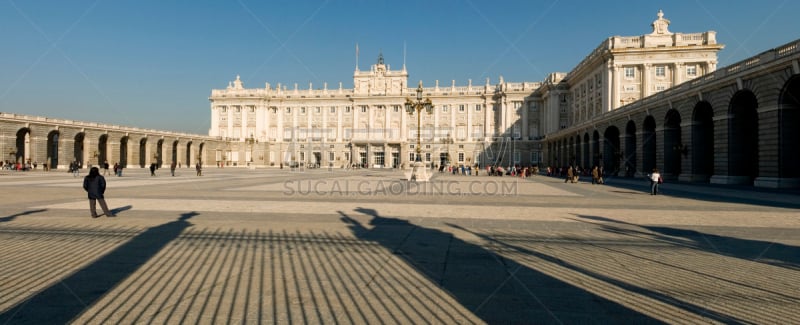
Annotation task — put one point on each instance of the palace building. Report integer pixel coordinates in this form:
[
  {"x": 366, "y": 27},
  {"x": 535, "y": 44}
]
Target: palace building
[{"x": 503, "y": 123}]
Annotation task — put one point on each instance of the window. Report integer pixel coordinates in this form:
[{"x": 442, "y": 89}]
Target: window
[
  {"x": 661, "y": 87},
  {"x": 224, "y": 109},
  {"x": 691, "y": 70},
  {"x": 252, "y": 109},
  {"x": 477, "y": 107},
  {"x": 516, "y": 133},
  {"x": 427, "y": 156},
  {"x": 516, "y": 156},
  {"x": 461, "y": 132},
  {"x": 630, "y": 72},
  {"x": 630, "y": 88},
  {"x": 396, "y": 108},
  {"x": 660, "y": 71},
  {"x": 461, "y": 108},
  {"x": 302, "y": 110},
  {"x": 444, "y": 108},
  {"x": 317, "y": 110},
  {"x": 461, "y": 157},
  {"x": 363, "y": 109},
  {"x": 287, "y": 133},
  {"x": 288, "y": 110},
  {"x": 477, "y": 131},
  {"x": 532, "y": 107},
  {"x": 331, "y": 156},
  {"x": 238, "y": 109},
  {"x": 333, "y": 109},
  {"x": 302, "y": 155}
]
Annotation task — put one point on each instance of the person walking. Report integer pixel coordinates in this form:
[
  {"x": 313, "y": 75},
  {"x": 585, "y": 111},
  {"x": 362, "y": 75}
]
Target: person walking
[
  {"x": 570, "y": 175},
  {"x": 595, "y": 175},
  {"x": 199, "y": 169},
  {"x": 95, "y": 186},
  {"x": 172, "y": 168},
  {"x": 655, "y": 179},
  {"x": 153, "y": 169}
]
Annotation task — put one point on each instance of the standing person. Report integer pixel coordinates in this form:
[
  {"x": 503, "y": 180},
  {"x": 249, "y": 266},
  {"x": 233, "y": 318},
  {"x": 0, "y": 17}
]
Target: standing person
[
  {"x": 153, "y": 169},
  {"x": 199, "y": 169},
  {"x": 570, "y": 175},
  {"x": 655, "y": 179},
  {"x": 119, "y": 170},
  {"x": 595, "y": 175},
  {"x": 105, "y": 168},
  {"x": 172, "y": 168},
  {"x": 95, "y": 186}
]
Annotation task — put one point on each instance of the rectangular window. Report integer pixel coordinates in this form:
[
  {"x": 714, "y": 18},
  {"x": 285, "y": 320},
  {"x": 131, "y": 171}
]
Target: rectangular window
[
  {"x": 302, "y": 155},
  {"x": 273, "y": 132},
  {"x": 396, "y": 108},
  {"x": 461, "y": 132},
  {"x": 347, "y": 109},
  {"x": 288, "y": 110},
  {"x": 660, "y": 71},
  {"x": 333, "y": 109},
  {"x": 516, "y": 156},
  {"x": 287, "y": 133},
  {"x": 461, "y": 108},
  {"x": 224, "y": 109},
  {"x": 238, "y": 109},
  {"x": 302, "y": 110},
  {"x": 630, "y": 72},
  {"x": 427, "y": 156},
  {"x": 331, "y": 156},
  {"x": 363, "y": 109},
  {"x": 516, "y": 133},
  {"x": 317, "y": 110},
  {"x": 477, "y": 107},
  {"x": 691, "y": 70},
  {"x": 661, "y": 87},
  {"x": 461, "y": 157},
  {"x": 444, "y": 108},
  {"x": 477, "y": 131}
]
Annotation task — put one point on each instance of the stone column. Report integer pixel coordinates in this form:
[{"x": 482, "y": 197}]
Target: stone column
[{"x": 646, "y": 82}]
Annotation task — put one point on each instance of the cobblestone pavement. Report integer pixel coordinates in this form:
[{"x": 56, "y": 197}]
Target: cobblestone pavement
[{"x": 319, "y": 246}]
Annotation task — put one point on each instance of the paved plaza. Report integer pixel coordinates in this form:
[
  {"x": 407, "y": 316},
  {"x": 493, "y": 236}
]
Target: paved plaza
[{"x": 364, "y": 246}]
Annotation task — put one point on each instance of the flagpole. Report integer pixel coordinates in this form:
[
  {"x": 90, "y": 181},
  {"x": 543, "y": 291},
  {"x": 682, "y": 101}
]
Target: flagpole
[{"x": 356, "y": 56}]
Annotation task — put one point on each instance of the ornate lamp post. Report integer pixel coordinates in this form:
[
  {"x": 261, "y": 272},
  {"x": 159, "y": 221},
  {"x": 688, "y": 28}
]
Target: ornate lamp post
[{"x": 419, "y": 173}]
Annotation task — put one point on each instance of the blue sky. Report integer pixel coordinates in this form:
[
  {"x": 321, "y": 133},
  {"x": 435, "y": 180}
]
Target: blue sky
[{"x": 152, "y": 64}]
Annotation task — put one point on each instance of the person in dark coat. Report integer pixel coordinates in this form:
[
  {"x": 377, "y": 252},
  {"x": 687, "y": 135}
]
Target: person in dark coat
[
  {"x": 153, "y": 169},
  {"x": 95, "y": 186}
]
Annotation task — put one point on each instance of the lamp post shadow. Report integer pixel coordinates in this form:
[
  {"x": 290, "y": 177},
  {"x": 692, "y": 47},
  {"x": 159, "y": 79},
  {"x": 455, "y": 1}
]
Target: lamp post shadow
[
  {"x": 495, "y": 289},
  {"x": 67, "y": 298}
]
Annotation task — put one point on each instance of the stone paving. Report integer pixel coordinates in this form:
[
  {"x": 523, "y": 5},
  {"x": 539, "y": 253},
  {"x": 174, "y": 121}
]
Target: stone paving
[{"x": 364, "y": 246}]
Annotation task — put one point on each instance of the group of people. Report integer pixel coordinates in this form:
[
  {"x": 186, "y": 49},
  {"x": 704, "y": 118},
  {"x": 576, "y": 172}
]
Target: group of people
[
  {"x": 572, "y": 174},
  {"x": 10, "y": 165}
]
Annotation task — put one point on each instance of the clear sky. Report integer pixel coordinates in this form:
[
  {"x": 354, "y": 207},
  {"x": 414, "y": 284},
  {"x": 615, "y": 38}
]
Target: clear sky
[{"x": 152, "y": 64}]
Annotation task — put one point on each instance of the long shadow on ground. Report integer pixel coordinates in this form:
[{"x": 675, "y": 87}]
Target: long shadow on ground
[
  {"x": 14, "y": 216},
  {"x": 772, "y": 253},
  {"x": 498, "y": 290},
  {"x": 66, "y": 299}
]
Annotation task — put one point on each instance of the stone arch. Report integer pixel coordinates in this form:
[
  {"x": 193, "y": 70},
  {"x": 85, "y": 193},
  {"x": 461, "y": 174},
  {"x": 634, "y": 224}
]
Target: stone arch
[
  {"x": 629, "y": 155},
  {"x": 577, "y": 150},
  {"x": 648, "y": 144},
  {"x": 143, "y": 152},
  {"x": 789, "y": 148},
  {"x": 702, "y": 147},
  {"x": 611, "y": 150},
  {"x": 174, "y": 152},
  {"x": 189, "y": 154},
  {"x": 200, "y": 150},
  {"x": 159, "y": 159},
  {"x": 743, "y": 151},
  {"x": 79, "y": 149},
  {"x": 53, "y": 145},
  {"x": 596, "y": 148},
  {"x": 586, "y": 153},
  {"x": 123, "y": 151},
  {"x": 22, "y": 148},
  {"x": 571, "y": 159},
  {"x": 102, "y": 150},
  {"x": 672, "y": 144}
]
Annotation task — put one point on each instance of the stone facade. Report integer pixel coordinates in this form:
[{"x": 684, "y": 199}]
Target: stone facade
[
  {"x": 58, "y": 142},
  {"x": 499, "y": 124}
]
